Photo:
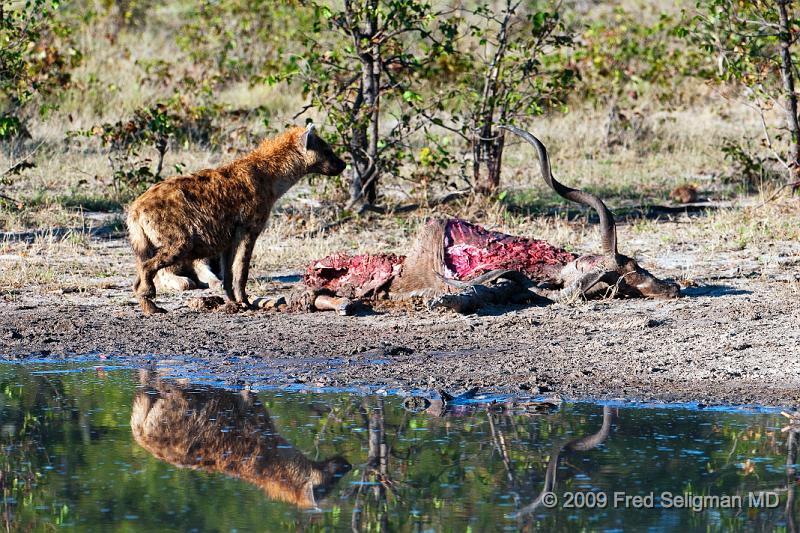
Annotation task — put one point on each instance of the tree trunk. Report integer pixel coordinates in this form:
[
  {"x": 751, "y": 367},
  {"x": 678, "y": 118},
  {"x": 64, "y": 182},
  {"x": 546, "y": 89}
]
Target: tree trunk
[
  {"x": 487, "y": 148},
  {"x": 360, "y": 163},
  {"x": 488, "y": 158},
  {"x": 790, "y": 97},
  {"x": 364, "y": 145},
  {"x": 372, "y": 100}
]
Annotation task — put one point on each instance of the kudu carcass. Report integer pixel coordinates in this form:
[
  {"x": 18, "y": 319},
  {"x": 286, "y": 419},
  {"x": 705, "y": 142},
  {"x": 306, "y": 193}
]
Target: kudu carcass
[
  {"x": 230, "y": 433},
  {"x": 462, "y": 266}
]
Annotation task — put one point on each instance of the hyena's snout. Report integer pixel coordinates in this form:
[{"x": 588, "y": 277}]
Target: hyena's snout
[
  {"x": 320, "y": 156},
  {"x": 332, "y": 470},
  {"x": 333, "y": 165},
  {"x": 337, "y": 466}
]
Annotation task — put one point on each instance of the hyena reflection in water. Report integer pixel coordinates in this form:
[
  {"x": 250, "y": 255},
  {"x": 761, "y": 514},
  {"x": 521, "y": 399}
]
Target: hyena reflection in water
[{"x": 221, "y": 431}]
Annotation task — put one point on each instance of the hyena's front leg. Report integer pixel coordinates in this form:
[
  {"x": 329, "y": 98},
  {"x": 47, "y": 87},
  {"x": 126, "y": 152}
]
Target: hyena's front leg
[
  {"x": 226, "y": 262},
  {"x": 241, "y": 266}
]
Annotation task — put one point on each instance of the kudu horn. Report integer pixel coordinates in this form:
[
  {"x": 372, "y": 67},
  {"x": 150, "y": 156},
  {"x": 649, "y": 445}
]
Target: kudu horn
[{"x": 608, "y": 229}]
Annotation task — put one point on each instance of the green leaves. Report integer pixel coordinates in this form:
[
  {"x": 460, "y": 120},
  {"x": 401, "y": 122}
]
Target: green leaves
[
  {"x": 10, "y": 127},
  {"x": 36, "y": 57},
  {"x": 537, "y": 21},
  {"x": 411, "y": 96},
  {"x": 362, "y": 60},
  {"x": 244, "y": 40},
  {"x": 741, "y": 36},
  {"x": 743, "y": 42}
]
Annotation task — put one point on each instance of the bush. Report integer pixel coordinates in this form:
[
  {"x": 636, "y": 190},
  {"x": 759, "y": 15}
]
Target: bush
[
  {"x": 133, "y": 143},
  {"x": 36, "y": 57}
]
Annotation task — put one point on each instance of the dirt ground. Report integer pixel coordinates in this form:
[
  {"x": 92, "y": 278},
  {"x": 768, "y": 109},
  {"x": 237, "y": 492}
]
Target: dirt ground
[{"x": 734, "y": 338}]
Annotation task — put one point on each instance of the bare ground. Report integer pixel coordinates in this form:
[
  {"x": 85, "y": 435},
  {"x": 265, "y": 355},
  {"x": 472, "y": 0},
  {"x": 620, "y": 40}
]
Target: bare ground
[{"x": 733, "y": 339}]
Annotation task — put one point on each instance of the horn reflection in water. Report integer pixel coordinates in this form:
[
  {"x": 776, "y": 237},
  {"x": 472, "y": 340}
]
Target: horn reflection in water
[{"x": 582, "y": 444}]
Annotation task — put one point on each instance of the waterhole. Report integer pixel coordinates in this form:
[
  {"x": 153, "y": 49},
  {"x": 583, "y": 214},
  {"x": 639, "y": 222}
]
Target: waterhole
[{"x": 90, "y": 448}]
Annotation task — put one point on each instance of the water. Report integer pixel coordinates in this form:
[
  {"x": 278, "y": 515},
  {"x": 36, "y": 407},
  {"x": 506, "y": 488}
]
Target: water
[{"x": 195, "y": 458}]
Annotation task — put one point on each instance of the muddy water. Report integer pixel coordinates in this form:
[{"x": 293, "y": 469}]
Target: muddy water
[{"x": 115, "y": 449}]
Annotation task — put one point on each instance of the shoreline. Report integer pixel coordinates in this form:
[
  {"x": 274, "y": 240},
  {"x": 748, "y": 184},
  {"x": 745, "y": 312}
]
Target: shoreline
[
  {"x": 731, "y": 345},
  {"x": 483, "y": 398}
]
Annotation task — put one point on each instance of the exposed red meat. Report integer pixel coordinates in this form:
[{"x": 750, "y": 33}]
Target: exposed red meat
[
  {"x": 353, "y": 276},
  {"x": 471, "y": 250}
]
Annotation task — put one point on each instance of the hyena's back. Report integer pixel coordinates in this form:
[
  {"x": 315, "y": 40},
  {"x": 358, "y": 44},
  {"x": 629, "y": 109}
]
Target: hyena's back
[{"x": 194, "y": 215}]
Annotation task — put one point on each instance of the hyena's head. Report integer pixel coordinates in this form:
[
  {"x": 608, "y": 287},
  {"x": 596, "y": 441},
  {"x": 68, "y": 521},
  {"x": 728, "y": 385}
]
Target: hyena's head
[
  {"x": 327, "y": 474},
  {"x": 320, "y": 158}
]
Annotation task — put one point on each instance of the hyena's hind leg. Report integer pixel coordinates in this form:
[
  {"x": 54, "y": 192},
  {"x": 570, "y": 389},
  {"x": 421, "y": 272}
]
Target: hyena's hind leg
[
  {"x": 143, "y": 250},
  {"x": 143, "y": 294},
  {"x": 174, "y": 278},
  {"x": 164, "y": 257}
]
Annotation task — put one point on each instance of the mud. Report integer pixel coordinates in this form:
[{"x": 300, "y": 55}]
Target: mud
[{"x": 733, "y": 339}]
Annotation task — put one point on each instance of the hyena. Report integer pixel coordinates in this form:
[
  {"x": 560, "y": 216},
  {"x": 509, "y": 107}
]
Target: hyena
[
  {"x": 229, "y": 433},
  {"x": 220, "y": 212}
]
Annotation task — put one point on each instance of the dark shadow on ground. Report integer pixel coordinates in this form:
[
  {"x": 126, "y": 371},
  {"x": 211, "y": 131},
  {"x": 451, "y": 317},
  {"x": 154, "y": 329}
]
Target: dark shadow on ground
[
  {"x": 714, "y": 291},
  {"x": 362, "y": 309},
  {"x": 622, "y": 214},
  {"x": 106, "y": 231}
]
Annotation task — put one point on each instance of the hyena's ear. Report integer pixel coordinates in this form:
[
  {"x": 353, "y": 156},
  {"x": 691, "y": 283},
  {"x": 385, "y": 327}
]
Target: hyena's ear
[{"x": 308, "y": 137}]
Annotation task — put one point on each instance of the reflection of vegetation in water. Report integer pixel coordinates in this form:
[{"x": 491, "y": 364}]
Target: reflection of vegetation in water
[
  {"x": 68, "y": 444},
  {"x": 28, "y": 415}
]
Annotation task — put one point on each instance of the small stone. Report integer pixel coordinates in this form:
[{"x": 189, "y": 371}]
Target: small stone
[
  {"x": 205, "y": 303},
  {"x": 416, "y": 403}
]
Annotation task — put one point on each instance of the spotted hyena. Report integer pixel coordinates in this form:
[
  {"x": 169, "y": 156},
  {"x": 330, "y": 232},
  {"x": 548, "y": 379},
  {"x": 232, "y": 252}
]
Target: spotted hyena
[{"x": 220, "y": 212}]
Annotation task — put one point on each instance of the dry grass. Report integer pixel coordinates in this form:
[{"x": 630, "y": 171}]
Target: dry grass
[
  {"x": 673, "y": 147},
  {"x": 71, "y": 262},
  {"x": 685, "y": 147}
]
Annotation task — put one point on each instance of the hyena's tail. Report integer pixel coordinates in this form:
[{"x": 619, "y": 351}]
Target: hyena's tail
[{"x": 143, "y": 247}]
